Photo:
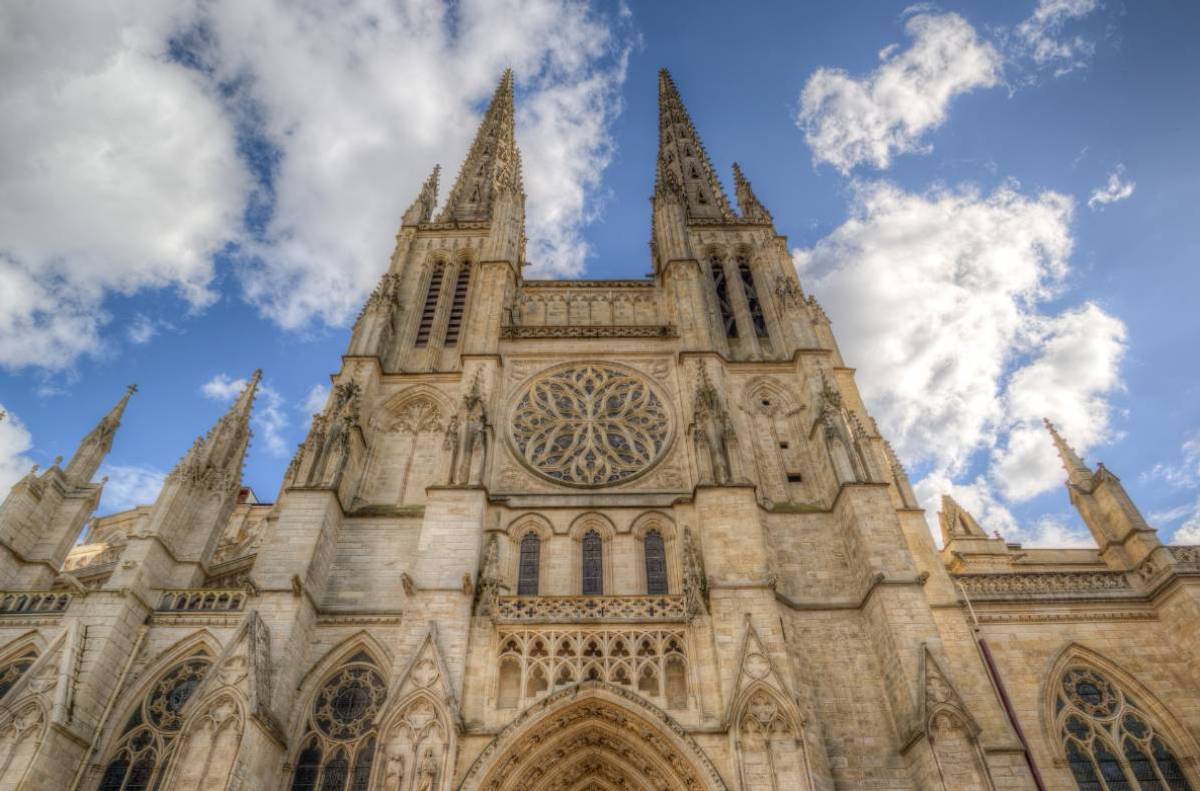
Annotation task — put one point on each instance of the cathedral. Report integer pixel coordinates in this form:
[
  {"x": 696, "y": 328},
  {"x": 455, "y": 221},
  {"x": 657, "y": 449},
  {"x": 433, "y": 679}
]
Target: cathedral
[{"x": 583, "y": 535}]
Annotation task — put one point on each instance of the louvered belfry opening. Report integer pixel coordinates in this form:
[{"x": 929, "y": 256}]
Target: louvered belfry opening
[
  {"x": 431, "y": 301},
  {"x": 459, "y": 304},
  {"x": 756, "y": 312}
]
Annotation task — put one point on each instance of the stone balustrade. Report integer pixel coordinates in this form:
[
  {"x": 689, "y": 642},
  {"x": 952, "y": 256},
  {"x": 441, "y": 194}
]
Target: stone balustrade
[
  {"x": 610, "y": 609},
  {"x": 1045, "y": 584},
  {"x": 202, "y": 600},
  {"x": 26, "y": 602}
]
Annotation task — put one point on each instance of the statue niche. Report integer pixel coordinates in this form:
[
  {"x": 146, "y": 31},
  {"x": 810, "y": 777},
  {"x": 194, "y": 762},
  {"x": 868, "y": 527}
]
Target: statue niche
[
  {"x": 713, "y": 434},
  {"x": 415, "y": 747},
  {"x": 468, "y": 438},
  {"x": 404, "y": 449}
]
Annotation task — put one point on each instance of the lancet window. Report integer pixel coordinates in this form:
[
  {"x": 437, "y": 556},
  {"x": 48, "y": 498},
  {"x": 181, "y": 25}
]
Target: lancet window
[
  {"x": 593, "y": 564},
  {"x": 148, "y": 740},
  {"x": 11, "y": 672},
  {"x": 656, "y": 563},
  {"x": 429, "y": 311},
  {"x": 527, "y": 573},
  {"x": 721, "y": 287},
  {"x": 461, "y": 285},
  {"x": 338, "y": 750},
  {"x": 1111, "y": 742},
  {"x": 756, "y": 313}
]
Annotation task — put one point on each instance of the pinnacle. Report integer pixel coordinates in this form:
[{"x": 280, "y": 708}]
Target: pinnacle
[
  {"x": 98, "y": 442},
  {"x": 1077, "y": 472},
  {"x": 681, "y": 154}
]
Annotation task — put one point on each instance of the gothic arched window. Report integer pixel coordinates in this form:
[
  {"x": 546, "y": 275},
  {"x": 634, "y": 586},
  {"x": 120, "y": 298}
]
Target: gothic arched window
[
  {"x": 756, "y": 313},
  {"x": 593, "y": 564},
  {"x": 717, "y": 271},
  {"x": 656, "y": 563},
  {"x": 339, "y": 747},
  {"x": 527, "y": 574},
  {"x": 148, "y": 741},
  {"x": 1109, "y": 740},
  {"x": 429, "y": 312},
  {"x": 458, "y": 305},
  {"x": 11, "y": 672}
]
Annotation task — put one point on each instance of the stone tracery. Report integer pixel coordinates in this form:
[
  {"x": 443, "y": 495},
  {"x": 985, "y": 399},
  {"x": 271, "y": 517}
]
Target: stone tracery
[{"x": 590, "y": 425}]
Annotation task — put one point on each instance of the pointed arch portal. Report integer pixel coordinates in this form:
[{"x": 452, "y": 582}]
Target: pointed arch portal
[{"x": 592, "y": 737}]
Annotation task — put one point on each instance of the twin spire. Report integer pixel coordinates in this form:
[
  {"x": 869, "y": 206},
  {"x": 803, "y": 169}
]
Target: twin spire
[
  {"x": 1077, "y": 472},
  {"x": 96, "y": 445},
  {"x": 493, "y": 165}
]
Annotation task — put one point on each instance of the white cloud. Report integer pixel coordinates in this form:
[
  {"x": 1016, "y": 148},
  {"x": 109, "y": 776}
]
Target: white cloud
[
  {"x": 15, "y": 441},
  {"x": 1117, "y": 189},
  {"x": 1185, "y": 474},
  {"x": 141, "y": 329},
  {"x": 848, "y": 121},
  {"x": 315, "y": 400},
  {"x": 942, "y": 293},
  {"x": 387, "y": 91},
  {"x": 118, "y": 168},
  {"x": 148, "y": 131},
  {"x": 269, "y": 419},
  {"x": 1040, "y": 38},
  {"x": 129, "y": 486}
]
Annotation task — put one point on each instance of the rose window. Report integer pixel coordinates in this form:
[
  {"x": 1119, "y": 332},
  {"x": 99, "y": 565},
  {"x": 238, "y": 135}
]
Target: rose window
[
  {"x": 349, "y": 701},
  {"x": 590, "y": 425}
]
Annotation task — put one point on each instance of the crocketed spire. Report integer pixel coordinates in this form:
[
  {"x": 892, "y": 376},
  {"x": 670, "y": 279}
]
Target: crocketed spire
[
  {"x": 1077, "y": 472},
  {"x": 96, "y": 445},
  {"x": 748, "y": 203},
  {"x": 493, "y": 164},
  {"x": 683, "y": 163}
]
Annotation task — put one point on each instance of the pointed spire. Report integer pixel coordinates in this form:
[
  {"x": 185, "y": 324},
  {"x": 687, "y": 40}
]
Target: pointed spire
[
  {"x": 422, "y": 208},
  {"x": 493, "y": 164},
  {"x": 957, "y": 522},
  {"x": 1077, "y": 472},
  {"x": 96, "y": 445},
  {"x": 682, "y": 159},
  {"x": 748, "y": 203},
  {"x": 216, "y": 459}
]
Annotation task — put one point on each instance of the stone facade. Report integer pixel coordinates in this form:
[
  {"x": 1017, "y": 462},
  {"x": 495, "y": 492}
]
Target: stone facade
[{"x": 584, "y": 536}]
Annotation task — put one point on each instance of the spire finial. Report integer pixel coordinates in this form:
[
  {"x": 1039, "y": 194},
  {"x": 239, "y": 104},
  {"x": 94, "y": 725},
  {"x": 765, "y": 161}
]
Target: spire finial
[
  {"x": 1077, "y": 472},
  {"x": 748, "y": 203},
  {"x": 98, "y": 442},
  {"x": 681, "y": 155}
]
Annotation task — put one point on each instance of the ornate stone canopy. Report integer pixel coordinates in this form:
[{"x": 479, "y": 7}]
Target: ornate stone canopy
[{"x": 593, "y": 736}]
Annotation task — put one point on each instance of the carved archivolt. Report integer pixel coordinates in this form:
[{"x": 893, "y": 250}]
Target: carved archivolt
[
  {"x": 594, "y": 727},
  {"x": 590, "y": 425}
]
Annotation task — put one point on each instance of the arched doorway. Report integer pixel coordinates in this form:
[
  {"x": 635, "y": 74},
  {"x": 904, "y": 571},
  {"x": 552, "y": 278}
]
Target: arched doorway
[{"x": 592, "y": 737}]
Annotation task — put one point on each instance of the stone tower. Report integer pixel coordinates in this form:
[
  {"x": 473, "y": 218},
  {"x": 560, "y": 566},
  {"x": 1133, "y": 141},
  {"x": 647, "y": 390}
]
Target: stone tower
[{"x": 586, "y": 535}]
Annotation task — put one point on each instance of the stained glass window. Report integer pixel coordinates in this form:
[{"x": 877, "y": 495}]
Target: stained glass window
[
  {"x": 527, "y": 577},
  {"x": 721, "y": 287},
  {"x": 756, "y": 314},
  {"x": 656, "y": 563},
  {"x": 11, "y": 673},
  {"x": 593, "y": 564},
  {"x": 147, "y": 742},
  {"x": 1110, "y": 743},
  {"x": 339, "y": 747}
]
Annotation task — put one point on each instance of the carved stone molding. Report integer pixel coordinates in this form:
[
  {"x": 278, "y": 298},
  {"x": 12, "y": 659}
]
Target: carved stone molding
[
  {"x": 590, "y": 609},
  {"x": 589, "y": 331},
  {"x": 1047, "y": 584}
]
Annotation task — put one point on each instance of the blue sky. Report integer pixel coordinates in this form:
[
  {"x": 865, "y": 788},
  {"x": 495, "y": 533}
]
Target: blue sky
[{"x": 994, "y": 202}]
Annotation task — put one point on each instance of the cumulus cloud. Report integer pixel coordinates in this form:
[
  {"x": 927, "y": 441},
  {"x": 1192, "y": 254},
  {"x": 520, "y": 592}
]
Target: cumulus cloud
[
  {"x": 850, "y": 121},
  {"x": 944, "y": 294},
  {"x": 1117, "y": 189},
  {"x": 129, "y": 486},
  {"x": 118, "y": 168},
  {"x": 15, "y": 441},
  {"x": 1041, "y": 38},
  {"x": 138, "y": 142},
  {"x": 269, "y": 420}
]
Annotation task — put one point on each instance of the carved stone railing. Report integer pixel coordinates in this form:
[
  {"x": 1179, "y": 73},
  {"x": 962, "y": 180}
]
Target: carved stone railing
[
  {"x": 511, "y": 332},
  {"x": 202, "y": 600},
  {"x": 572, "y": 609},
  {"x": 1189, "y": 555},
  {"x": 1046, "y": 584},
  {"x": 26, "y": 602}
]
